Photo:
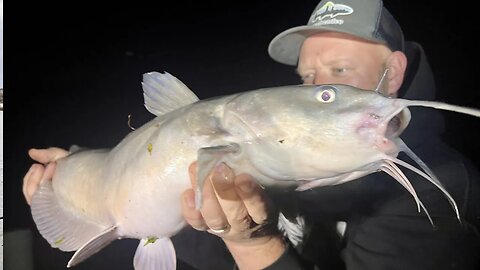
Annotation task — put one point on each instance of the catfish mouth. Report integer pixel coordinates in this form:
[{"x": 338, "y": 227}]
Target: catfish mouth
[
  {"x": 397, "y": 124},
  {"x": 384, "y": 128},
  {"x": 393, "y": 129}
]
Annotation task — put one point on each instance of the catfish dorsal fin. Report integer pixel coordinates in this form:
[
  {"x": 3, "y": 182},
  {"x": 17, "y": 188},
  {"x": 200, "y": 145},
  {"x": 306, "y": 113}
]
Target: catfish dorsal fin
[{"x": 164, "y": 93}]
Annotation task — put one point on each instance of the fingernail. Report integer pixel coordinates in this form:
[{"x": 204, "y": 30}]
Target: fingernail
[
  {"x": 32, "y": 169},
  {"x": 222, "y": 173},
  {"x": 189, "y": 200},
  {"x": 247, "y": 187}
]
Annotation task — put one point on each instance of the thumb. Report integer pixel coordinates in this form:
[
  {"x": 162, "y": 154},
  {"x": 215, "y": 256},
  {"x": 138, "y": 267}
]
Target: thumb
[{"x": 47, "y": 155}]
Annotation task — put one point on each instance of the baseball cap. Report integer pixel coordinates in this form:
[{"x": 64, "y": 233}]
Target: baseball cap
[{"x": 365, "y": 19}]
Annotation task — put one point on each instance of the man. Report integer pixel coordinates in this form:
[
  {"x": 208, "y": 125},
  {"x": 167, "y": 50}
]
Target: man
[{"x": 352, "y": 42}]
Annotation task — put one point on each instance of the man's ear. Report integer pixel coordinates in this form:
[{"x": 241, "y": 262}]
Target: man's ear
[{"x": 397, "y": 64}]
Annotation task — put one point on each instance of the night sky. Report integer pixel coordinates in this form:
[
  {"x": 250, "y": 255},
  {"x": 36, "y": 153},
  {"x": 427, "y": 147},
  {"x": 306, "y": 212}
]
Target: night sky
[{"x": 73, "y": 71}]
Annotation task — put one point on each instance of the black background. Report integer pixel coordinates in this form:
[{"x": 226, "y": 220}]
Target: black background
[{"x": 73, "y": 72}]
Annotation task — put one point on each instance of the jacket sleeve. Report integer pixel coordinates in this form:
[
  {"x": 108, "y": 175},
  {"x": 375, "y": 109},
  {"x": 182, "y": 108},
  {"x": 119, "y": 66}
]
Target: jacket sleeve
[
  {"x": 290, "y": 260},
  {"x": 394, "y": 239}
]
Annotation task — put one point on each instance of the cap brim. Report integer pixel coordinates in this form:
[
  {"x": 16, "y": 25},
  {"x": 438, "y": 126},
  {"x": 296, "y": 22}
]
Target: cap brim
[{"x": 285, "y": 47}]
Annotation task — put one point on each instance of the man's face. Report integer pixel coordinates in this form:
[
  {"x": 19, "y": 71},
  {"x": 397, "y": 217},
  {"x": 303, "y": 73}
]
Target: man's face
[{"x": 335, "y": 58}]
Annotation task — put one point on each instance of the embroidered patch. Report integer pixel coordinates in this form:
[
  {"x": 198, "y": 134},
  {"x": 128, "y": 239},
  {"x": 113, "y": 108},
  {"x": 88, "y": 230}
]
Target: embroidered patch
[{"x": 330, "y": 10}]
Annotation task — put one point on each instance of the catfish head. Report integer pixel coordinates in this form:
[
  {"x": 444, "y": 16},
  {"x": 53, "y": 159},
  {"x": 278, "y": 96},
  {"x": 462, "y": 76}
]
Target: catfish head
[
  {"x": 314, "y": 132},
  {"x": 318, "y": 135}
]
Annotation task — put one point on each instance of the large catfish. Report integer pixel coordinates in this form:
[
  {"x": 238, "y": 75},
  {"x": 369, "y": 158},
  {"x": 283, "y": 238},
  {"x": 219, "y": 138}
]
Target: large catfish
[{"x": 300, "y": 136}]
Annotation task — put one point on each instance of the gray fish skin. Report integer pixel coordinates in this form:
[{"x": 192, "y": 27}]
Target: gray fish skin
[{"x": 282, "y": 136}]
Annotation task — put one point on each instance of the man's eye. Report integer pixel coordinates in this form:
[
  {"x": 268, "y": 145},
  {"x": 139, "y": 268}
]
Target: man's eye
[
  {"x": 339, "y": 71},
  {"x": 308, "y": 79}
]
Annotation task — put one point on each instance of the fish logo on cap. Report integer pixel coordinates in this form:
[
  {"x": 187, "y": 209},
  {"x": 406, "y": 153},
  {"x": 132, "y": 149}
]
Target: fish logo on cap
[{"x": 330, "y": 10}]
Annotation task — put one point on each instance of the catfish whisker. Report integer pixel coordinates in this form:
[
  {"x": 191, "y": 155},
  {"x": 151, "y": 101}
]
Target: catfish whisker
[
  {"x": 440, "y": 106},
  {"x": 430, "y": 179},
  {"x": 404, "y": 148},
  {"x": 391, "y": 169},
  {"x": 407, "y": 184}
]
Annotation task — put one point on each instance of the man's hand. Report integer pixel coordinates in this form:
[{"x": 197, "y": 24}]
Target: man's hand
[
  {"x": 41, "y": 171},
  {"x": 234, "y": 208}
]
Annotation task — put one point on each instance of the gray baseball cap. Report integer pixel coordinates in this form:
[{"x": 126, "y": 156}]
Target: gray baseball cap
[{"x": 365, "y": 19}]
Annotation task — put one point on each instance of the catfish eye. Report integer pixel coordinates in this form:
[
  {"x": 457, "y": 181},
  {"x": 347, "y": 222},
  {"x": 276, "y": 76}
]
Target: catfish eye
[{"x": 326, "y": 95}]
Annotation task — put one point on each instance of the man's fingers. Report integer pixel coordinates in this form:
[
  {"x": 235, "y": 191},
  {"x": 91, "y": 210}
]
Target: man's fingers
[
  {"x": 192, "y": 171},
  {"x": 222, "y": 179},
  {"x": 253, "y": 198},
  {"x": 232, "y": 205},
  {"x": 49, "y": 171},
  {"x": 37, "y": 172},
  {"x": 192, "y": 215},
  {"x": 36, "y": 175},
  {"x": 212, "y": 211},
  {"x": 47, "y": 155},
  {"x": 31, "y": 181}
]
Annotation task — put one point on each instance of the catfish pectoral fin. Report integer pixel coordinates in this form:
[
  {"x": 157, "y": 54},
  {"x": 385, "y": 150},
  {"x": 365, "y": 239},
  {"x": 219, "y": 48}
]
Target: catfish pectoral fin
[{"x": 208, "y": 158}]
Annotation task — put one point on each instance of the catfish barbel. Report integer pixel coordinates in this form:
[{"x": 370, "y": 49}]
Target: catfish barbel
[{"x": 303, "y": 136}]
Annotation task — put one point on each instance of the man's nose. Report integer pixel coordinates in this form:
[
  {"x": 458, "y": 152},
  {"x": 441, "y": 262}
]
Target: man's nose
[{"x": 320, "y": 78}]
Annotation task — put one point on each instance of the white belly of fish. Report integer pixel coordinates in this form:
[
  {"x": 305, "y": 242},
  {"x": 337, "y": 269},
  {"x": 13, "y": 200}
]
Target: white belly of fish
[
  {"x": 151, "y": 175},
  {"x": 137, "y": 191},
  {"x": 131, "y": 191}
]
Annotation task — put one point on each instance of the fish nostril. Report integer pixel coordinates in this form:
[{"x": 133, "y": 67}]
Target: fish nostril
[{"x": 374, "y": 116}]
